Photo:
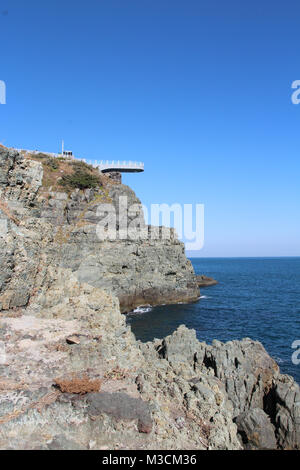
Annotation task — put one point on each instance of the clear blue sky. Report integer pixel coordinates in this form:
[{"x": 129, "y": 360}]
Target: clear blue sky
[{"x": 198, "y": 90}]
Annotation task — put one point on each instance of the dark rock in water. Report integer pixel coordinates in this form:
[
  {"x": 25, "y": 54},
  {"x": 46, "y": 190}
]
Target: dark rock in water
[
  {"x": 166, "y": 293},
  {"x": 204, "y": 281},
  {"x": 256, "y": 430}
]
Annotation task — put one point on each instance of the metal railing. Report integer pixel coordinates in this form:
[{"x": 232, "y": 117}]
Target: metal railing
[{"x": 120, "y": 165}]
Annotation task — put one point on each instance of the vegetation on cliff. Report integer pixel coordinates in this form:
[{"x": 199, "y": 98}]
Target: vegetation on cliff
[
  {"x": 80, "y": 179},
  {"x": 69, "y": 174}
]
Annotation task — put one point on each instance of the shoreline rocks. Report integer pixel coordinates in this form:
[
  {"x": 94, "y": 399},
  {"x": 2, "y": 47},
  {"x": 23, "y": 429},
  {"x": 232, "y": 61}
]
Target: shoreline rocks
[{"x": 205, "y": 281}]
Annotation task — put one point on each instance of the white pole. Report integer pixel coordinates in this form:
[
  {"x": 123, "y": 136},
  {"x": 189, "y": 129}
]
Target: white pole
[{"x": 62, "y": 147}]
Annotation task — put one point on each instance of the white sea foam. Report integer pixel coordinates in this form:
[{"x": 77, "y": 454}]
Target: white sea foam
[
  {"x": 142, "y": 309},
  {"x": 278, "y": 360}
]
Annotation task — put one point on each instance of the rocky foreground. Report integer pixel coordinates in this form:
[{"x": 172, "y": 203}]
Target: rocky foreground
[{"x": 73, "y": 376}]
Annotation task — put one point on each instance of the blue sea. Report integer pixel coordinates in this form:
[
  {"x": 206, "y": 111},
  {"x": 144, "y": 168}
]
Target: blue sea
[{"x": 256, "y": 297}]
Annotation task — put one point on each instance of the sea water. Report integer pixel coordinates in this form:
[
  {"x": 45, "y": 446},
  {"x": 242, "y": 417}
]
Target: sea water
[{"x": 256, "y": 297}]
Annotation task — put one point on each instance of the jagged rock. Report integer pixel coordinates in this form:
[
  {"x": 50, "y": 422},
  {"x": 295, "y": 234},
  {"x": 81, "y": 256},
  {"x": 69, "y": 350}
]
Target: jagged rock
[
  {"x": 283, "y": 405},
  {"x": 20, "y": 179},
  {"x": 246, "y": 375},
  {"x": 182, "y": 346},
  {"x": 256, "y": 430},
  {"x": 245, "y": 368}
]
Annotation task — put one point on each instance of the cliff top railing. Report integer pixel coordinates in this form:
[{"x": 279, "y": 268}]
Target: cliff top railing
[
  {"x": 104, "y": 166},
  {"x": 121, "y": 166}
]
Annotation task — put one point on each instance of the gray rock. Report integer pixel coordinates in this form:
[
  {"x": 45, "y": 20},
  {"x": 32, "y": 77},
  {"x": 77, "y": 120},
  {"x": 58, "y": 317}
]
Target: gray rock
[
  {"x": 122, "y": 407},
  {"x": 256, "y": 430},
  {"x": 246, "y": 370},
  {"x": 61, "y": 442},
  {"x": 250, "y": 379},
  {"x": 282, "y": 402}
]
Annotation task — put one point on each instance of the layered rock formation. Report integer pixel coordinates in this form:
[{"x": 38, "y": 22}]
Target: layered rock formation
[
  {"x": 73, "y": 376},
  {"x": 147, "y": 270}
]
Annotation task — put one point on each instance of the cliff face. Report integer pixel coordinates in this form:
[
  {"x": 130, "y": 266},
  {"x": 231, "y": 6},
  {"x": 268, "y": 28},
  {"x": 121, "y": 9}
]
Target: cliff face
[
  {"x": 72, "y": 375},
  {"x": 139, "y": 272}
]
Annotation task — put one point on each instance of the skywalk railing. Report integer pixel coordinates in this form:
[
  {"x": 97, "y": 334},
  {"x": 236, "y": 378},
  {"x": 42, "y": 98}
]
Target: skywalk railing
[{"x": 120, "y": 165}]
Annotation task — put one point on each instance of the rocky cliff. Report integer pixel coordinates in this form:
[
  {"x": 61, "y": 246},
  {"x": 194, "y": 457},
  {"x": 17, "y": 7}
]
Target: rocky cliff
[
  {"x": 72, "y": 375},
  {"x": 149, "y": 270}
]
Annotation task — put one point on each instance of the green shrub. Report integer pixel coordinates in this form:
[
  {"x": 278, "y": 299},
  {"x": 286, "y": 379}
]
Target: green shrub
[
  {"x": 80, "y": 179},
  {"x": 80, "y": 165},
  {"x": 52, "y": 163}
]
